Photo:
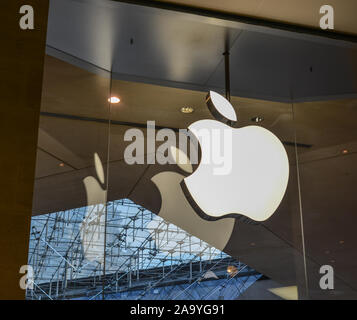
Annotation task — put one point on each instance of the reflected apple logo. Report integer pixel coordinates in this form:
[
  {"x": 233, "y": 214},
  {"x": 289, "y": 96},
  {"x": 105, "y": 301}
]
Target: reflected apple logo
[
  {"x": 258, "y": 179},
  {"x": 92, "y": 230}
]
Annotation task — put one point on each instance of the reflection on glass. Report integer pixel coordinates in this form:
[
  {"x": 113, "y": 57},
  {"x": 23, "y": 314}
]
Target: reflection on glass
[{"x": 143, "y": 252}]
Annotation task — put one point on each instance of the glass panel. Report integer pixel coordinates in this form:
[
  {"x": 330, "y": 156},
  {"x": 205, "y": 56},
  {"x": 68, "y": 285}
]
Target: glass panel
[
  {"x": 266, "y": 248},
  {"x": 67, "y": 230},
  {"x": 168, "y": 232},
  {"x": 328, "y": 176}
]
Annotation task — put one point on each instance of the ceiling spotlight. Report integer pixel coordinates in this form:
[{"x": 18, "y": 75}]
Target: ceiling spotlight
[
  {"x": 114, "y": 100},
  {"x": 257, "y": 119},
  {"x": 232, "y": 269},
  {"x": 186, "y": 109}
]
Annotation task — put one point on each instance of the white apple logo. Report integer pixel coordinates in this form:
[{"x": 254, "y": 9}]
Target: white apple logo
[
  {"x": 177, "y": 210},
  {"x": 259, "y": 175}
]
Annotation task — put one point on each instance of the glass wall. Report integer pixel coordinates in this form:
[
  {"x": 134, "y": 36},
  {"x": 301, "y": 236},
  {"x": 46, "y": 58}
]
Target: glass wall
[
  {"x": 126, "y": 203},
  {"x": 327, "y": 174},
  {"x": 70, "y": 198}
]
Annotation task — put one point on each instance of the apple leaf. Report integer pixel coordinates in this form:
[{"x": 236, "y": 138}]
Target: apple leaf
[
  {"x": 99, "y": 167},
  {"x": 223, "y": 106}
]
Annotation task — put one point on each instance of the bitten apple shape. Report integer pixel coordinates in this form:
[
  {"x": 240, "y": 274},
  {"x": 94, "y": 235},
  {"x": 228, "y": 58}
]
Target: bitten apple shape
[{"x": 259, "y": 174}]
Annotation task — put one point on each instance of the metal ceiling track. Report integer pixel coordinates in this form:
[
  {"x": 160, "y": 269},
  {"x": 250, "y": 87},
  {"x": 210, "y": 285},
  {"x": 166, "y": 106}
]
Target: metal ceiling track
[{"x": 227, "y": 74}]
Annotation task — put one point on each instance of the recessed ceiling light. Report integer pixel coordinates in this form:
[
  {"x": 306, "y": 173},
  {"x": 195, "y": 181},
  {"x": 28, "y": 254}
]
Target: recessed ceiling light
[
  {"x": 257, "y": 119},
  {"x": 114, "y": 100},
  {"x": 186, "y": 109},
  {"x": 232, "y": 269}
]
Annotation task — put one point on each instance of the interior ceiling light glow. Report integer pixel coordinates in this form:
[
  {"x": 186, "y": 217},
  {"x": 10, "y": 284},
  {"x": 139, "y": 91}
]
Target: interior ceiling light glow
[
  {"x": 114, "y": 100},
  {"x": 286, "y": 293},
  {"x": 257, "y": 119},
  {"x": 186, "y": 109},
  {"x": 232, "y": 269}
]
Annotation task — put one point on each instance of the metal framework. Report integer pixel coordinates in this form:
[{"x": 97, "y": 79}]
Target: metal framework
[{"x": 145, "y": 257}]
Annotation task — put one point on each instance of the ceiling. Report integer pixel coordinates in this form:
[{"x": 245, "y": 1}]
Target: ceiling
[
  {"x": 297, "y": 12},
  {"x": 183, "y": 50},
  {"x": 70, "y": 90}
]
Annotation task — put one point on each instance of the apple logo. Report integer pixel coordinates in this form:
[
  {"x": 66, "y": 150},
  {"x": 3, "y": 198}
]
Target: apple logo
[
  {"x": 92, "y": 230},
  {"x": 177, "y": 210},
  {"x": 259, "y": 173}
]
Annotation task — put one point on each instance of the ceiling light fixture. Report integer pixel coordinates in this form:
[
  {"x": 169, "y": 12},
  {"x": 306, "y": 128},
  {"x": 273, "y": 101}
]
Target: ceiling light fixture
[
  {"x": 186, "y": 109},
  {"x": 257, "y": 119},
  {"x": 232, "y": 269},
  {"x": 114, "y": 100},
  {"x": 345, "y": 151}
]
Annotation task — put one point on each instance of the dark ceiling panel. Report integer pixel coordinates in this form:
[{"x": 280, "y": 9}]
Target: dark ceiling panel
[{"x": 183, "y": 50}]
